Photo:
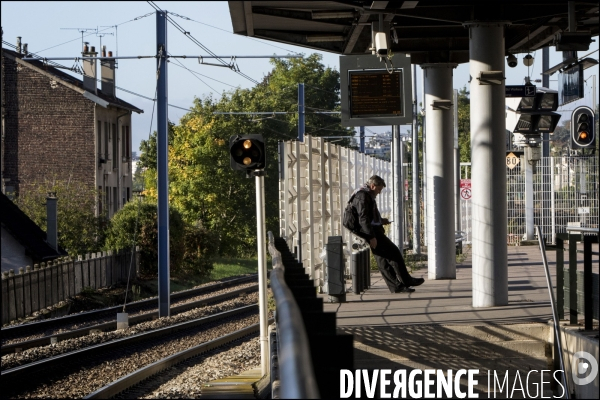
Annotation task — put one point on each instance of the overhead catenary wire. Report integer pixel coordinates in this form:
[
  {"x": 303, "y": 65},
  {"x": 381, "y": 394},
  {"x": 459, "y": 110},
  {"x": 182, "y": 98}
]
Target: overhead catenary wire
[
  {"x": 225, "y": 30},
  {"x": 184, "y": 67},
  {"x": 198, "y": 43}
]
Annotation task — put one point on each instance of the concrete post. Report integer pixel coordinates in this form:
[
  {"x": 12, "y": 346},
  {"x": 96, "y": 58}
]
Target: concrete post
[
  {"x": 52, "y": 221},
  {"x": 440, "y": 171},
  {"x": 488, "y": 179}
]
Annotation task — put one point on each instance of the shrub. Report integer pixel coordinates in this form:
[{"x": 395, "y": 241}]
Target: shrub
[{"x": 191, "y": 248}]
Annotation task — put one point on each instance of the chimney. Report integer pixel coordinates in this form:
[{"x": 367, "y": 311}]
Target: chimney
[
  {"x": 19, "y": 44},
  {"x": 51, "y": 221},
  {"x": 25, "y": 49},
  {"x": 89, "y": 69},
  {"x": 107, "y": 73}
]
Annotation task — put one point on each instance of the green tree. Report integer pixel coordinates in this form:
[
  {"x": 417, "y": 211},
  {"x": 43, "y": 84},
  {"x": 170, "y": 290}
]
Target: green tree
[
  {"x": 80, "y": 231},
  {"x": 191, "y": 247},
  {"x": 201, "y": 183},
  {"x": 464, "y": 124}
]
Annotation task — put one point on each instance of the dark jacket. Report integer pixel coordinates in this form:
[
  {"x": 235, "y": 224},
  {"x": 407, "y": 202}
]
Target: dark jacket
[{"x": 364, "y": 204}]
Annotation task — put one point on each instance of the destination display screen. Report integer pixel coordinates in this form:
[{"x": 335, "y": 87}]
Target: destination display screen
[{"x": 375, "y": 93}]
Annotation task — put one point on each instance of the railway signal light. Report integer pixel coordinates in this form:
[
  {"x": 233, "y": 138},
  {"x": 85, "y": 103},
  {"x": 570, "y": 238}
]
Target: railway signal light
[
  {"x": 247, "y": 152},
  {"x": 582, "y": 128}
]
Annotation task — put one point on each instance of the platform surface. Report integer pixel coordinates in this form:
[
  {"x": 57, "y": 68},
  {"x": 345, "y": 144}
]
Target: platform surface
[{"x": 449, "y": 301}]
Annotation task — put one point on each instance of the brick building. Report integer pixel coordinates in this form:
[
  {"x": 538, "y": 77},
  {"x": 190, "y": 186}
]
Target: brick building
[{"x": 58, "y": 127}]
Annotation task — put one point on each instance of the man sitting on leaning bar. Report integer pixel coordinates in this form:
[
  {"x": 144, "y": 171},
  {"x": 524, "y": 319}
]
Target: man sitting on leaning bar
[{"x": 387, "y": 254}]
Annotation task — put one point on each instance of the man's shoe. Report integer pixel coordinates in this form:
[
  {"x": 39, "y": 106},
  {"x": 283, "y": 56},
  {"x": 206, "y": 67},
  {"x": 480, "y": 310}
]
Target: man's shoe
[
  {"x": 404, "y": 289},
  {"x": 417, "y": 281}
]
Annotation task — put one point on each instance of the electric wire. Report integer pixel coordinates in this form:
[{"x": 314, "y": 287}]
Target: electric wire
[
  {"x": 198, "y": 43},
  {"x": 208, "y": 77},
  {"x": 89, "y": 34},
  {"x": 322, "y": 90},
  {"x": 137, "y": 218},
  {"x": 225, "y": 30},
  {"x": 76, "y": 71},
  {"x": 184, "y": 67}
]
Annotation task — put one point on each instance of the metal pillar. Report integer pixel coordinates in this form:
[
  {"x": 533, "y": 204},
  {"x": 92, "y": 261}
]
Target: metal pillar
[
  {"x": 261, "y": 240},
  {"x": 162, "y": 166},
  {"x": 529, "y": 228},
  {"x": 440, "y": 171},
  {"x": 397, "y": 186},
  {"x": 301, "y": 121},
  {"x": 488, "y": 178},
  {"x": 416, "y": 195},
  {"x": 362, "y": 139},
  {"x": 424, "y": 186},
  {"x": 457, "y": 217}
]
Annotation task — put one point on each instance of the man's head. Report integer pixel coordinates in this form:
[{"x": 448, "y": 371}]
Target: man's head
[{"x": 376, "y": 184}]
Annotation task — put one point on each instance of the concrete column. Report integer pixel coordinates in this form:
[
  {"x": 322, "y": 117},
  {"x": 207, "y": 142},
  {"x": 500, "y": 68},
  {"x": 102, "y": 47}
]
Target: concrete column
[
  {"x": 440, "y": 171},
  {"x": 488, "y": 179}
]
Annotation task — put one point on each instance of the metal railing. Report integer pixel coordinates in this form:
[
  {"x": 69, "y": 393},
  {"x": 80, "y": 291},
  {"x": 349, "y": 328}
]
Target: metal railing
[
  {"x": 568, "y": 280},
  {"x": 554, "y": 310},
  {"x": 296, "y": 374}
]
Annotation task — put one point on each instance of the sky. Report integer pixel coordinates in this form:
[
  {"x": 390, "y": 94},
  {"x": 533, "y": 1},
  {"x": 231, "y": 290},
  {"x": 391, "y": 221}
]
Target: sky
[{"x": 53, "y": 29}]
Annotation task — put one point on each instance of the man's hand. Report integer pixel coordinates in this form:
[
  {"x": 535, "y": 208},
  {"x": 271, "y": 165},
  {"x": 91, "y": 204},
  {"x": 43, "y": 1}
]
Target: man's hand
[
  {"x": 373, "y": 243},
  {"x": 385, "y": 221}
]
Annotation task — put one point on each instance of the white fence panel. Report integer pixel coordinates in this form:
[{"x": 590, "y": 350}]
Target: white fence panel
[{"x": 316, "y": 181}]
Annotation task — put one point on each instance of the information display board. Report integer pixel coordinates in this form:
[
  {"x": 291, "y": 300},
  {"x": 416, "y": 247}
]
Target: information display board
[{"x": 373, "y": 95}]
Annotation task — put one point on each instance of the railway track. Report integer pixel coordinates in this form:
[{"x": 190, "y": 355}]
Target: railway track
[
  {"x": 82, "y": 372},
  {"x": 24, "y": 336},
  {"x": 168, "y": 373}
]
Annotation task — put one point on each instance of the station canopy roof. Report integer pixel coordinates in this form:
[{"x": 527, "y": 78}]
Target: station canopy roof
[{"x": 431, "y": 31}]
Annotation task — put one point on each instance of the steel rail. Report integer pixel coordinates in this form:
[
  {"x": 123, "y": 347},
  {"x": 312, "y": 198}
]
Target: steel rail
[
  {"x": 112, "y": 325},
  {"x": 31, "y": 369},
  {"x": 12, "y": 331},
  {"x": 134, "y": 378},
  {"x": 554, "y": 310},
  {"x": 296, "y": 374}
]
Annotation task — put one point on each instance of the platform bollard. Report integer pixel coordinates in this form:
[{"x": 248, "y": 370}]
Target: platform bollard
[
  {"x": 354, "y": 272},
  {"x": 368, "y": 255}
]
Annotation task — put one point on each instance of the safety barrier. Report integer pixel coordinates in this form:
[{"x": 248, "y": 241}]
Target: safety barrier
[
  {"x": 577, "y": 290},
  {"x": 303, "y": 333}
]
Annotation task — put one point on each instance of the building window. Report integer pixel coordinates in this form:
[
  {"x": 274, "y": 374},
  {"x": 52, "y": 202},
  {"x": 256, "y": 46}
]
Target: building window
[
  {"x": 99, "y": 139},
  {"x": 115, "y": 146},
  {"x": 123, "y": 143},
  {"x": 100, "y": 201},
  {"x": 108, "y": 202},
  {"x": 115, "y": 200},
  {"x": 106, "y": 137},
  {"x": 128, "y": 143}
]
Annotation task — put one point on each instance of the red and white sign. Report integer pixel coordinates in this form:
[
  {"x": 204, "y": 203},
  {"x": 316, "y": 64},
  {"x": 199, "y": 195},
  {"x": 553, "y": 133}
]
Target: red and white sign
[
  {"x": 465, "y": 189},
  {"x": 406, "y": 189}
]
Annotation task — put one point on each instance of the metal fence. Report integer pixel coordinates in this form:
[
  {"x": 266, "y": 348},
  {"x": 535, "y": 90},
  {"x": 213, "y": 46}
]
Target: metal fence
[{"x": 565, "y": 193}]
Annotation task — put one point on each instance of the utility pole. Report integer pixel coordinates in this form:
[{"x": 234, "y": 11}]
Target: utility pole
[
  {"x": 362, "y": 139},
  {"x": 162, "y": 166}
]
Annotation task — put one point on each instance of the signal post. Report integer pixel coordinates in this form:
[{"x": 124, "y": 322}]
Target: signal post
[{"x": 248, "y": 154}]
